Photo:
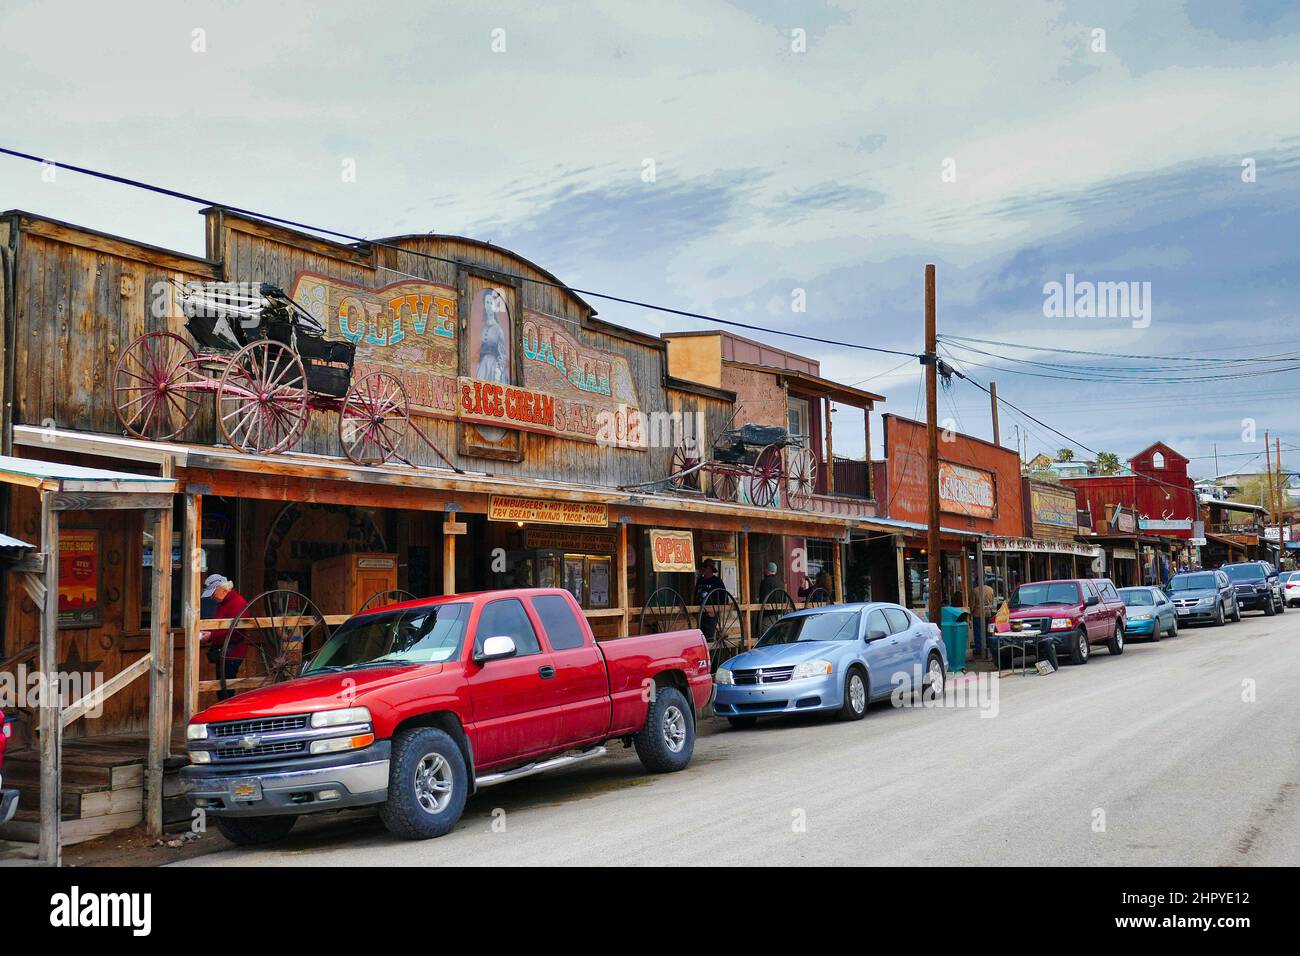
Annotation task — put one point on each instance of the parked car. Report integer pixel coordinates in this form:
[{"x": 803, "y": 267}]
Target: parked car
[
  {"x": 1149, "y": 612},
  {"x": 1208, "y": 597},
  {"x": 8, "y": 798},
  {"x": 414, "y": 706},
  {"x": 839, "y": 657},
  {"x": 1072, "y": 615},
  {"x": 1257, "y": 586},
  {"x": 1290, "y": 581}
]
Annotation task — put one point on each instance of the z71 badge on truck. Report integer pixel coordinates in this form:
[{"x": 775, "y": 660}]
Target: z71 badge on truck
[{"x": 414, "y": 706}]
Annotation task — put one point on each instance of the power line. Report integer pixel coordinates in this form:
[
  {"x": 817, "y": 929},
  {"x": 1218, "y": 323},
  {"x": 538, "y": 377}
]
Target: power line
[
  {"x": 1045, "y": 348},
  {"x": 280, "y": 220}
]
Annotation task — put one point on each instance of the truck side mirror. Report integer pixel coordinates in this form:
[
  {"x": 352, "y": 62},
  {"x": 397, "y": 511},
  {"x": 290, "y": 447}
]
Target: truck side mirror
[
  {"x": 495, "y": 648},
  {"x": 1092, "y": 601}
]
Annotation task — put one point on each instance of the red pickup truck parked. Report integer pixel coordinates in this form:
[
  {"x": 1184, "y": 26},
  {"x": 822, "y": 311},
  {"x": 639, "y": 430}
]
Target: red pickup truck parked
[
  {"x": 416, "y": 705},
  {"x": 1070, "y": 616}
]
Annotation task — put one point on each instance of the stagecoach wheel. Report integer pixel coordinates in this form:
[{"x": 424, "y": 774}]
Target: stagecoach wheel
[
  {"x": 262, "y": 400},
  {"x": 725, "y": 485},
  {"x": 680, "y": 471},
  {"x": 766, "y": 479},
  {"x": 374, "y": 419},
  {"x": 281, "y": 629},
  {"x": 720, "y": 622},
  {"x": 818, "y": 597},
  {"x": 384, "y": 598},
  {"x": 154, "y": 386},
  {"x": 801, "y": 479},
  {"x": 664, "y": 611},
  {"x": 776, "y": 604}
]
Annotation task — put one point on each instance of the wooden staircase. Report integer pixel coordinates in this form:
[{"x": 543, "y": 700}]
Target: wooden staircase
[{"x": 103, "y": 788}]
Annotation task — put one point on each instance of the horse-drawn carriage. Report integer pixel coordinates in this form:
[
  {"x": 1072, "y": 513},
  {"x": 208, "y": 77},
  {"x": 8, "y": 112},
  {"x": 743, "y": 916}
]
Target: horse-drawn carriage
[
  {"x": 758, "y": 460},
  {"x": 269, "y": 364}
]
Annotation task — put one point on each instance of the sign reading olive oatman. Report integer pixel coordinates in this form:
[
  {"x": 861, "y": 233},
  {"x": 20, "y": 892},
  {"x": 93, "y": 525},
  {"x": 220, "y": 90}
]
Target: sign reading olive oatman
[
  {"x": 672, "y": 550},
  {"x": 537, "y": 511}
]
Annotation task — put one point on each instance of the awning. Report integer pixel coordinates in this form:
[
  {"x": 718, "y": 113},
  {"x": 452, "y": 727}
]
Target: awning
[
  {"x": 895, "y": 525},
  {"x": 1038, "y": 546},
  {"x": 72, "y": 479}
]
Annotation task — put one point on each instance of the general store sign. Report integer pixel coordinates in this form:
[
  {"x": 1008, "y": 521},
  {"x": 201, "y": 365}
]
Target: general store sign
[
  {"x": 967, "y": 491},
  {"x": 672, "y": 550},
  {"x": 538, "y": 511}
]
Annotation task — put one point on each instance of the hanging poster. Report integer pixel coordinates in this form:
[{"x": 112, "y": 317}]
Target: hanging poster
[{"x": 79, "y": 580}]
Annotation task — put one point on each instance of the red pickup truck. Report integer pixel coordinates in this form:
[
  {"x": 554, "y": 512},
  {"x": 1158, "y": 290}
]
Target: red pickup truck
[
  {"x": 414, "y": 706},
  {"x": 1069, "y": 616}
]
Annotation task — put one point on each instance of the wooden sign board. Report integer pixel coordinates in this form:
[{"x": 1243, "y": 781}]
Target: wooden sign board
[
  {"x": 538, "y": 511},
  {"x": 672, "y": 550}
]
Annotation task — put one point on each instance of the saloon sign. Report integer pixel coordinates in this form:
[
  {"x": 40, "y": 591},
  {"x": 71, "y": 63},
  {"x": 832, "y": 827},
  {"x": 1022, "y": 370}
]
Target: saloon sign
[{"x": 967, "y": 491}]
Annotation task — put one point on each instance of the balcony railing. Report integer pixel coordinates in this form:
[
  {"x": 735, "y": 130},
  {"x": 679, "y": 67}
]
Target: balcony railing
[{"x": 851, "y": 478}]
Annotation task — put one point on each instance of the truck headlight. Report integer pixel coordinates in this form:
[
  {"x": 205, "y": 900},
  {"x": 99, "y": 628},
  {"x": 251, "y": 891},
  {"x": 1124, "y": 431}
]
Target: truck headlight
[
  {"x": 335, "y": 744},
  {"x": 1062, "y": 623},
  {"x": 200, "y": 756},
  {"x": 196, "y": 732},
  {"x": 341, "y": 717},
  {"x": 817, "y": 668},
  {"x": 723, "y": 676}
]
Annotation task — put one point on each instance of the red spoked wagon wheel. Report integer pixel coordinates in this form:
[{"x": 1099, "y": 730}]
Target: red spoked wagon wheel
[
  {"x": 684, "y": 470},
  {"x": 374, "y": 419},
  {"x": 664, "y": 611},
  {"x": 262, "y": 400},
  {"x": 765, "y": 482},
  {"x": 801, "y": 478},
  {"x": 726, "y": 483},
  {"x": 154, "y": 386},
  {"x": 280, "y": 629}
]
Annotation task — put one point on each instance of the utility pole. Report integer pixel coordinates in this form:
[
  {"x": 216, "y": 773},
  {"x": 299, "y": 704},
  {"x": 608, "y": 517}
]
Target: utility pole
[
  {"x": 1281, "y": 502},
  {"x": 993, "y": 398},
  {"x": 931, "y": 360},
  {"x": 1268, "y": 480}
]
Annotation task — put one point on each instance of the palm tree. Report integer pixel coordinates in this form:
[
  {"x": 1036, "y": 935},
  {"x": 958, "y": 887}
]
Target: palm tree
[
  {"x": 1107, "y": 463},
  {"x": 1065, "y": 454}
]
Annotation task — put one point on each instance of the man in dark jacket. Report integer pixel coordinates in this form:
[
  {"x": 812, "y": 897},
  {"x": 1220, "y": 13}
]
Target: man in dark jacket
[{"x": 705, "y": 585}]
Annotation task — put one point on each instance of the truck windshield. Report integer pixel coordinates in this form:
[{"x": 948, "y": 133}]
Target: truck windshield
[
  {"x": 1244, "y": 572},
  {"x": 828, "y": 626},
  {"x": 417, "y": 635},
  {"x": 1192, "y": 582},
  {"x": 1032, "y": 595}
]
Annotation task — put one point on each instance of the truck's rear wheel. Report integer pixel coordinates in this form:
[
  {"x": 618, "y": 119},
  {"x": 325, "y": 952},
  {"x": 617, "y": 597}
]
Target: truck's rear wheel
[
  {"x": 254, "y": 831},
  {"x": 427, "y": 785},
  {"x": 667, "y": 740}
]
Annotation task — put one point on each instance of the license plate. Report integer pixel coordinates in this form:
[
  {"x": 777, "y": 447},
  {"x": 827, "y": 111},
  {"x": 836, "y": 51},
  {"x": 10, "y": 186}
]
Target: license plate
[
  {"x": 248, "y": 790},
  {"x": 1183, "y": 612}
]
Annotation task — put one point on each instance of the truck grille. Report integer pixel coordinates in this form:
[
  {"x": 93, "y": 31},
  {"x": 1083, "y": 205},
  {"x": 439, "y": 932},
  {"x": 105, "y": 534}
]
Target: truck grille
[
  {"x": 259, "y": 725},
  {"x": 1040, "y": 624},
  {"x": 282, "y": 748},
  {"x": 763, "y": 675}
]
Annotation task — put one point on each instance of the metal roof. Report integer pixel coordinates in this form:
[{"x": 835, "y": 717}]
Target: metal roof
[
  {"x": 57, "y": 476},
  {"x": 7, "y": 543}
]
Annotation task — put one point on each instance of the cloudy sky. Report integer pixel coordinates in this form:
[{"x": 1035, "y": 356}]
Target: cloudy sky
[{"x": 717, "y": 157}]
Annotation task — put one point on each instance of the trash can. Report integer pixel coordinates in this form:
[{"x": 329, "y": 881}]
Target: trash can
[{"x": 956, "y": 635}]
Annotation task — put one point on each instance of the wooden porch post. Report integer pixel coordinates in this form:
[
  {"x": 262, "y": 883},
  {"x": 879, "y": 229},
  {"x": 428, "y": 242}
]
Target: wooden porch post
[
  {"x": 191, "y": 589},
  {"x": 742, "y": 542},
  {"x": 830, "y": 452},
  {"x": 871, "y": 484},
  {"x": 837, "y": 562},
  {"x": 622, "y": 575},
  {"x": 160, "y": 669},
  {"x": 451, "y": 529},
  {"x": 51, "y": 723},
  {"x": 902, "y": 574}
]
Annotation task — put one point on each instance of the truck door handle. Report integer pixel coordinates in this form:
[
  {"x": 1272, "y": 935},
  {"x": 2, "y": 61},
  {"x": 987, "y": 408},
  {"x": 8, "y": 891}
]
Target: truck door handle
[{"x": 547, "y": 672}]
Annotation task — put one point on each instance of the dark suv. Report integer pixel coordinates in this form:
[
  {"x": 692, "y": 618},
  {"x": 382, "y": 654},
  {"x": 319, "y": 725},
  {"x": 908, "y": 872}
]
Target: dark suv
[{"x": 1257, "y": 586}]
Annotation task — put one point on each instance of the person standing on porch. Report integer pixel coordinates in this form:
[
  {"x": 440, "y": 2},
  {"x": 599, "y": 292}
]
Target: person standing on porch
[
  {"x": 705, "y": 585},
  {"x": 769, "y": 583},
  {"x": 230, "y": 602}
]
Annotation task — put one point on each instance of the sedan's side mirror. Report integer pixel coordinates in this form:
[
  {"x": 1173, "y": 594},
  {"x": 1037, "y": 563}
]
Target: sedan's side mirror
[
  {"x": 495, "y": 648},
  {"x": 876, "y": 635}
]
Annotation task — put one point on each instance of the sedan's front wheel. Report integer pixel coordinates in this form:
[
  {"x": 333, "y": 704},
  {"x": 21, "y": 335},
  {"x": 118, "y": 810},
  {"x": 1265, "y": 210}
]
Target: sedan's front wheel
[{"x": 855, "y": 695}]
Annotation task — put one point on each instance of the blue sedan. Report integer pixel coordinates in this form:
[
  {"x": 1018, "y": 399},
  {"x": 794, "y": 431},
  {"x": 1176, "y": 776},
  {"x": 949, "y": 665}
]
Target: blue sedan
[
  {"x": 1149, "y": 613},
  {"x": 838, "y": 657}
]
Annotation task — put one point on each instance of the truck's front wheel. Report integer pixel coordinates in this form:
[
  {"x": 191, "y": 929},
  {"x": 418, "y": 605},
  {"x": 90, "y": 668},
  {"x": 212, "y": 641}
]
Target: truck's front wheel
[
  {"x": 427, "y": 785},
  {"x": 253, "y": 831},
  {"x": 667, "y": 740}
]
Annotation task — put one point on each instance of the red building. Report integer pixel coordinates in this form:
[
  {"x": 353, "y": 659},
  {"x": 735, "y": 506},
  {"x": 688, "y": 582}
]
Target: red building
[{"x": 1150, "y": 510}]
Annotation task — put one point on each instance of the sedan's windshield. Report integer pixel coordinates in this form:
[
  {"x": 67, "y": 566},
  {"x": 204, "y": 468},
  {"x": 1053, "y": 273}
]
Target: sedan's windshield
[
  {"x": 827, "y": 626},
  {"x": 1139, "y": 598},
  {"x": 419, "y": 635},
  {"x": 1244, "y": 572},
  {"x": 1192, "y": 582},
  {"x": 1032, "y": 595}
]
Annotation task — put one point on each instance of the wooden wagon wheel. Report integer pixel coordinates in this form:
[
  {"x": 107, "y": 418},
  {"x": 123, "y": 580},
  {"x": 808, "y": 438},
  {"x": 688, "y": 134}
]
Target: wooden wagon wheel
[
  {"x": 286, "y": 629},
  {"x": 776, "y": 604},
  {"x": 801, "y": 478},
  {"x": 720, "y": 622},
  {"x": 765, "y": 482},
  {"x": 384, "y": 598},
  {"x": 818, "y": 597},
  {"x": 726, "y": 483},
  {"x": 262, "y": 400},
  {"x": 154, "y": 386},
  {"x": 684, "y": 471},
  {"x": 664, "y": 611},
  {"x": 374, "y": 419}
]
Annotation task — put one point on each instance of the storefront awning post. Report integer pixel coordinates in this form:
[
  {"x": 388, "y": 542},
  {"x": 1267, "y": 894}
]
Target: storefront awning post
[
  {"x": 160, "y": 669},
  {"x": 50, "y": 719},
  {"x": 191, "y": 589}
]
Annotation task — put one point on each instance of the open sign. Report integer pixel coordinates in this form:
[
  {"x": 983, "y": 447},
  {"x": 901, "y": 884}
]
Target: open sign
[{"x": 672, "y": 550}]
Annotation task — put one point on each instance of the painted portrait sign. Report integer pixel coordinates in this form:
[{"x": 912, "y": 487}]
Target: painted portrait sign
[
  {"x": 489, "y": 358},
  {"x": 407, "y": 329}
]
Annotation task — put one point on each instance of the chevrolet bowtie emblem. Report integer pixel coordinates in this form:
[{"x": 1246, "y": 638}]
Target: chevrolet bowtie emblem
[{"x": 249, "y": 742}]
